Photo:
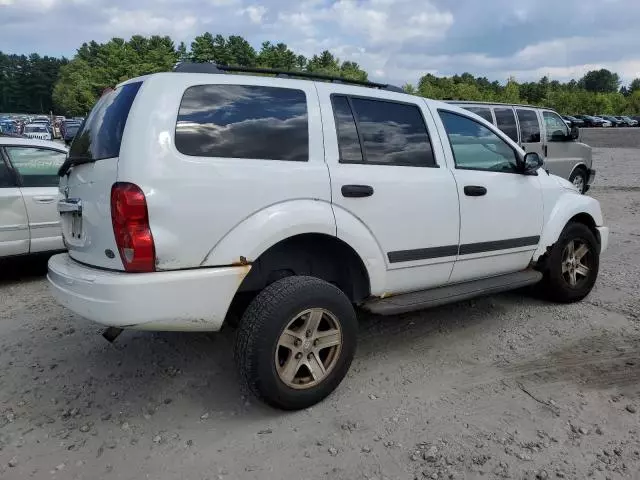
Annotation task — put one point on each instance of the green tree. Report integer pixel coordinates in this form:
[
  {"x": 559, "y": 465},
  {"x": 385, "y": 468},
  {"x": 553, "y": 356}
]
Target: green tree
[
  {"x": 601, "y": 81},
  {"x": 634, "y": 86},
  {"x": 202, "y": 48},
  {"x": 241, "y": 52}
]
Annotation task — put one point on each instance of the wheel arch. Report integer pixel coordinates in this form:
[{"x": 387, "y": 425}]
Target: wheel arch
[{"x": 310, "y": 254}]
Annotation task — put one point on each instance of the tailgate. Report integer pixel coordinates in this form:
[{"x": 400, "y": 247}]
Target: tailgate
[{"x": 87, "y": 177}]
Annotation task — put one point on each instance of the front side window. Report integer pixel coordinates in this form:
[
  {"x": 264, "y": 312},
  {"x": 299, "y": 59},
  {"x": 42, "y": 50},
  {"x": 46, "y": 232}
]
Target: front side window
[
  {"x": 475, "y": 147},
  {"x": 555, "y": 126},
  {"x": 529, "y": 126},
  {"x": 243, "y": 121},
  {"x": 392, "y": 133},
  {"x": 6, "y": 179},
  {"x": 482, "y": 112},
  {"x": 37, "y": 167}
]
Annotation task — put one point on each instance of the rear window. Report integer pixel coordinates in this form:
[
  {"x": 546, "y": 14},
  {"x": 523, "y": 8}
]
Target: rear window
[
  {"x": 101, "y": 134},
  {"x": 243, "y": 121}
]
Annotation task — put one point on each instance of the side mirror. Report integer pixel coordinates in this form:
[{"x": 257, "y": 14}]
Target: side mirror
[
  {"x": 575, "y": 133},
  {"x": 531, "y": 163}
]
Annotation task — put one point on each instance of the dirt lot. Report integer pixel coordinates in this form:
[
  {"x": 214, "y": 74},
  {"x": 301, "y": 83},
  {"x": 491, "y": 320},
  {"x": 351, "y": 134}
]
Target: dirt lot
[{"x": 500, "y": 387}]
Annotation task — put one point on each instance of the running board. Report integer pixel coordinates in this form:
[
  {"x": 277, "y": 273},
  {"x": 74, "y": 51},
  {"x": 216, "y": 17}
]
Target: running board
[{"x": 409, "y": 302}]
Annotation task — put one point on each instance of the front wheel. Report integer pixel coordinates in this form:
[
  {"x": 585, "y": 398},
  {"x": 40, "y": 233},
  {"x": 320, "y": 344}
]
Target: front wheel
[
  {"x": 572, "y": 266},
  {"x": 296, "y": 341},
  {"x": 579, "y": 179}
]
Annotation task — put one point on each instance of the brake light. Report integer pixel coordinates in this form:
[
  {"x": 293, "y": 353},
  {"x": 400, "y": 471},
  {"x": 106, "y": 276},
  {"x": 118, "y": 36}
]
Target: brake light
[{"x": 131, "y": 228}]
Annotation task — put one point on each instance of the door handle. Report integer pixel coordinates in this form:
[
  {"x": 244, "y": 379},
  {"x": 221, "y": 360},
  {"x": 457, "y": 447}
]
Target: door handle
[
  {"x": 474, "y": 191},
  {"x": 546, "y": 151},
  {"x": 43, "y": 199},
  {"x": 357, "y": 191}
]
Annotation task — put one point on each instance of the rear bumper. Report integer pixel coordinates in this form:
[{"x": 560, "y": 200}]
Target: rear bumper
[
  {"x": 603, "y": 233},
  {"x": 185, "y": 300}
]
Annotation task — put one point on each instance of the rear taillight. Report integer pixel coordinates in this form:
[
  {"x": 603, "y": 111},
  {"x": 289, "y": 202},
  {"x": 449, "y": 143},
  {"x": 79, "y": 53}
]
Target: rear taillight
[{"x": 131, "y": 228}]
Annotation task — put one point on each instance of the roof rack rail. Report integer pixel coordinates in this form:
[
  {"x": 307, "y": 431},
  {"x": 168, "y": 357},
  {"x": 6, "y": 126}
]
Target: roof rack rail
[{"x": 191, "y": 67}]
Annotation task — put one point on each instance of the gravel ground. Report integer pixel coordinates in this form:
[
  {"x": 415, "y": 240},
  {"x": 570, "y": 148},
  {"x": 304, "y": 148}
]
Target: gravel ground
[{"x": 501, "y": 387}]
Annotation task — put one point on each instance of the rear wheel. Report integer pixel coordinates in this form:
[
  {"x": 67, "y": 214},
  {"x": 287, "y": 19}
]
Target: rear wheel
[
  {"x": 296, "y": 341},
  {"x": 572, "y": 266},
  {"x": 579, "y": 179}
]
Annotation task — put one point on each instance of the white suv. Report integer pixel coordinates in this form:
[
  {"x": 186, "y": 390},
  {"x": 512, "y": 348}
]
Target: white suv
[{"x": 189, "y": 195}]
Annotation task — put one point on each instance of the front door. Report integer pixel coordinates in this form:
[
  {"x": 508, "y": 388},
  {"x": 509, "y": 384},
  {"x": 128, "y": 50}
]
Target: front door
[
  {"x": 37, "y": 169},
  {"x": 559, "y": 146},
  {"x": 387, "y": 175},
  {"x": 529, "y": 123},
  {"x": 501, "y": 211},
  {"x": 14, "y": 224}
]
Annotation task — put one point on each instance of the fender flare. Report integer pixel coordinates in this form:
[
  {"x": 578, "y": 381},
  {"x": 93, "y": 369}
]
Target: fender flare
[
  {"x": 566, "y": 207},
  {"x": 277, "y": 222}
]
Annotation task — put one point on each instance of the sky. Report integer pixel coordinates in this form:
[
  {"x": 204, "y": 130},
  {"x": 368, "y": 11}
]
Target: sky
[{"x": 396, "y": 41}]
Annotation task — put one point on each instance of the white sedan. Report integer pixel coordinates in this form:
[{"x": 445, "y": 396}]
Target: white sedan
[{"x": 29, "y": 219}]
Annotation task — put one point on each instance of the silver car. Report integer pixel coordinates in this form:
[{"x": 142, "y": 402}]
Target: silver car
[
  {"x": 29, "y": 219},
  {"x": 543, "y": 131}
]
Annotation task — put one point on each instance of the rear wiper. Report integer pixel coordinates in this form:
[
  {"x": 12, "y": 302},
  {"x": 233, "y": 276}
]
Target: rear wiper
[{"x": 71, "y": 161}]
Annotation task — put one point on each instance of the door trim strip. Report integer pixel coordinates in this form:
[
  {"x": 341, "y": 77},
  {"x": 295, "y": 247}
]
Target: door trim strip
[
  {"x": 465, "y": 249},
  {"x": 13, "y": 228}
]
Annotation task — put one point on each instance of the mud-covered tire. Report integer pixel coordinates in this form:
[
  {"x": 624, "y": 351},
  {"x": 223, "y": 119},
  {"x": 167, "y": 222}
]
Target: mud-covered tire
[
  {"x": 265, "y": 321},
  {"x": 555, "y": 286}
]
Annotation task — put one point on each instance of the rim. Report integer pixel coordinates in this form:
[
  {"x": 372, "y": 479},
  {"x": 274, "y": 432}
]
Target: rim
[
  {"x": 576, "y": 263},
  {"x": 308, "y": 348},
  {"x": 578, "y": 182}
]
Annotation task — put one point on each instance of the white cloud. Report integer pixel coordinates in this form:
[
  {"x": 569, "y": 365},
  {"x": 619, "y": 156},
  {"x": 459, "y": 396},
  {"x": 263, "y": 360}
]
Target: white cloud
[
  {"x": 255, "y": 13},
  {"x": 394, "y": 40}
]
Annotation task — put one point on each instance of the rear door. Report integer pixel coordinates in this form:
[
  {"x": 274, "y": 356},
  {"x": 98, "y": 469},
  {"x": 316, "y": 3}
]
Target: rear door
[
  {"x": 37, "y": 170},
  {"x": 14, "y": 223},
  {"x": 388, "y": 171},
  {"x": 529, "y": 124}
]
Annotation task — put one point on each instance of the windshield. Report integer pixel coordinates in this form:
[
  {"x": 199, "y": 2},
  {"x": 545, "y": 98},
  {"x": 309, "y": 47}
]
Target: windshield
[
  {"x": 101, "y": 133},
  {"x": 35, "y": 129}
]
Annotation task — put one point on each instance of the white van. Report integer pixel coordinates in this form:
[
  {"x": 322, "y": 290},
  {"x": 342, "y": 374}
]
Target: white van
[
  {"x": 188, "y": 195},
  {"x": 543, "y": 131}
]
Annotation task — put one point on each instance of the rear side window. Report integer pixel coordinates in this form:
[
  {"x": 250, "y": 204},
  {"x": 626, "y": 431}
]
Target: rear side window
[
  {"x": 482, "y": 112},
  {"x": 348, "y": 141},
  {"x": 243, "y": 121},
  {"x": 101, "y": 134},
  {"x": 390, "y": 133},
  {"x": 37, "y": 167},
  {"x": 506, "y": 121},
  {"x": 529, "y": 126}
]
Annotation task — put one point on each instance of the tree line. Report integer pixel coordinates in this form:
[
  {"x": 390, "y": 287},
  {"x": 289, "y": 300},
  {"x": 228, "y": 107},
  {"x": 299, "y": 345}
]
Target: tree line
[{"x": 35, "y": 84}]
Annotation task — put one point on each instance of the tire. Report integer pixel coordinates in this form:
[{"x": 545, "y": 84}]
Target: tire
[
  {"x": 579, "y": 179},
  {"x": 280, "y": 307},
  {"x": 556, "y": 285}
]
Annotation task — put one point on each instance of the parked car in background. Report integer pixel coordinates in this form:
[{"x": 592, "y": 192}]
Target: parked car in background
[
  {"x": 605, "y": 123},
  {"x": 573, "y": 121},
  {"x": 368, "y": 197},
  {"x": 590, "y": 121},
  {"x": 545, "y": 132},
  {"x": 65, "y": 124},
  {"x": 70, "y": 132},
  {"x": 628, "y": 122},
  {"x": 29, "y": 219},
  {"x": 39, "y": 131},
  {"x": 614, "y": 121}
]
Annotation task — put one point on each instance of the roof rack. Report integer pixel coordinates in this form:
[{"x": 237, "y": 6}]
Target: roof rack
[{"x": 191, "y": 67}]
